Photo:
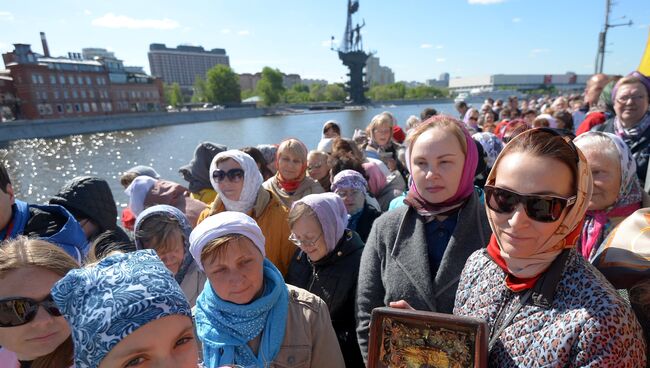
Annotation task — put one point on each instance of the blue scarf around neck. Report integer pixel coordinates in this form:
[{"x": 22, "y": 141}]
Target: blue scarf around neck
[{"x": 225, "y": 328}]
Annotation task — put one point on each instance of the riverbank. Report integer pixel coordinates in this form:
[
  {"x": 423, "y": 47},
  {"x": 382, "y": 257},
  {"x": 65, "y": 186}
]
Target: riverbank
[{"x": 26, "y": 129}]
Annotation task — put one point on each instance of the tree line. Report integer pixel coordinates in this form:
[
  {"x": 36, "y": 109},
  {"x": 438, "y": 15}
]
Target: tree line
[{"x": 221, "y": 87}]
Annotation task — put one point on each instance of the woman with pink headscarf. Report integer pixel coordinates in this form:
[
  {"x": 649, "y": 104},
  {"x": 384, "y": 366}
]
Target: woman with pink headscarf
[{"x": 414, "y": 254}]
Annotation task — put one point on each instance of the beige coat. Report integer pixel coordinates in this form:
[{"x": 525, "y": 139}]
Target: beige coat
[
  {"x": 309, "y": 338},
  {"x": 192, "y": 284}
]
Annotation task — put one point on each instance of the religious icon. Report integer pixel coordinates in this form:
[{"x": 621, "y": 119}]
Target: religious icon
[{"x": 416, "y": 339}]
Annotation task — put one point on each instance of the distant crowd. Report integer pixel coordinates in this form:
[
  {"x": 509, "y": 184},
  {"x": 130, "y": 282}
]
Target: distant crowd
[{"x": 530, "y": 215}]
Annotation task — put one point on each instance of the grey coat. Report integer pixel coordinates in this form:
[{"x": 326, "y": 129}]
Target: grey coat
[{"x": 395, "y": 263}]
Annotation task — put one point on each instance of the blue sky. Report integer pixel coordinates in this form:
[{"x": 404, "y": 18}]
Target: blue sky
[{"x": 418, "y": 39}]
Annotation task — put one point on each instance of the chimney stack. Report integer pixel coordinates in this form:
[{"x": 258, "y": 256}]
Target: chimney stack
[{"x": 46, "y": 50}]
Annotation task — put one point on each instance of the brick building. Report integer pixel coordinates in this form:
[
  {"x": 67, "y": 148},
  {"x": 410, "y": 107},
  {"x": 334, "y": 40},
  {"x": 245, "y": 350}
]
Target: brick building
[{"x": 57, "y": 87}]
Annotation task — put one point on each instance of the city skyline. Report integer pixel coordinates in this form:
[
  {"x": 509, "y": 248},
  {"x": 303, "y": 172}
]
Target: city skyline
[{"x": 416, "y": 39}]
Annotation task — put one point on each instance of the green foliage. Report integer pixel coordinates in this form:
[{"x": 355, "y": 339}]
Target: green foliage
[
  {"x": 173, "y": 95},
  {"x": 247, "y": 93},
  {"x": 270, "y": 86},
  {"x": 317, "y": 92},
  {"x": 222, "y": 85},
  {"x": 335, "y": 92},
  {"x": 399, "y": 91},
  {"x": 199, "y": 90}
]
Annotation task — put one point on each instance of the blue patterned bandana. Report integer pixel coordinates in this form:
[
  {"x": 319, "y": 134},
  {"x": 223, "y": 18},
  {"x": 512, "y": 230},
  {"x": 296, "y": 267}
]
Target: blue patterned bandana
[{"x": 105, "y": 303}]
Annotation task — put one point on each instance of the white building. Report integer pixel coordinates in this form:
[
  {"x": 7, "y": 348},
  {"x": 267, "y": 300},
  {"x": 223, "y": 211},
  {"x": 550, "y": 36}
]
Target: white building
[
  {"x": 522, "y": 82},
  {"x": 377, "y": 74}
]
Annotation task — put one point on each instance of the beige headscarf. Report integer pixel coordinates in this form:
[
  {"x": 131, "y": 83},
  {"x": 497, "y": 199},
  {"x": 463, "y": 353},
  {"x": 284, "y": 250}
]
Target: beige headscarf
[{"x": 567, "y": 233}]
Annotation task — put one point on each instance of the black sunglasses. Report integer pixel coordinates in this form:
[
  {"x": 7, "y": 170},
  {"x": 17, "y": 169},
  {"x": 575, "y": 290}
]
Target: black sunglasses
[
  {"x": 19, "y": 311},
  {"x": 542, "y": 208},
  {"x": 234, "y": 175}
]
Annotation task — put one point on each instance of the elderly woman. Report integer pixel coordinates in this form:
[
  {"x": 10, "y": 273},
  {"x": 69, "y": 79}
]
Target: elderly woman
[
  {"x": 632, "y": 120},
  {"x": 443, "y": 223},
  {"x": 492, "y": 146},
  {"x": 383, "y": 184},
  {"x": 318, "y": 168},
  {"x": 32, "y": 330},
  {"x": 471, "y": 120},
  {"x": 617, "y": 192},
  {"x": 166, "y": 230},
  {"x": 327, "y": 263},
  {"x": 543, "y": 303},
  {"x": 238, "y": 183},
  {"x": 351, "y": 186},
  {"x": 246, "y": 314},
  {"x": 291, "y": 182},
  {"x": 127, "y": 311}
]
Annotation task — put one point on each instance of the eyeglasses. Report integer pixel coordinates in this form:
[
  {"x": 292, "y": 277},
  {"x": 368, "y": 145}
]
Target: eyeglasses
[
  {"x": 314, "y": 167},
  {"x": 234, "y": 175},
  {"x": 346, "y": 193},
  {"x": 541, "y": 208},
  {"x": 303, "y": 243},
  {"x": 472, "y": 118},
  {"x": 625, "y": 99},
  {"x": 19, "y": 311}
]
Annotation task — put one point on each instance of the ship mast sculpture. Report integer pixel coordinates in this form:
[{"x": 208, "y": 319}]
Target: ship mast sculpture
[{"x": 352, "y": 55}]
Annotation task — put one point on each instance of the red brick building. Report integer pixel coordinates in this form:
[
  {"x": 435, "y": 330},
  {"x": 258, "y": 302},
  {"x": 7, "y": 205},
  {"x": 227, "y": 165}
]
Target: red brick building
[{"x": 47, "y": 87}]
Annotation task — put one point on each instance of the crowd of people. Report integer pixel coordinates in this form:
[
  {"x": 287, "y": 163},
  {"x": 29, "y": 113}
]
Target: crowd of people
[{"x": 531, "y": 215}]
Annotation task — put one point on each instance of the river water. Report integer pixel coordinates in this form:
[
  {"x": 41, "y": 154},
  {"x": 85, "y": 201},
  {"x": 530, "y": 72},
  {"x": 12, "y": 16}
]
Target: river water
[{"x": 39, "y": 167}]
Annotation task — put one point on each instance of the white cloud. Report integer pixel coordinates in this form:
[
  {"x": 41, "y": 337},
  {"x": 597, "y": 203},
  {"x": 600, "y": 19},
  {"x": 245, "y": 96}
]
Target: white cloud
[
  {"x": 643, "y": 26},
  {"x": 226, "y": 31},
  {"x": 87, "y": 12},
  {"x": 244, "y": 32},
  {"x": 186, "y": 29},
  {"x": 516, "y": 20},
  {"x": 6, "y": 16},
  {"x": 438, "y": 47},
  {"x": 426, "y": 46},
  {"x": 484, "y": 2},
  {"x": 440, "y": 60},
  {"x": 110, "y": 20},
  {"x": 535, "y": 52}
]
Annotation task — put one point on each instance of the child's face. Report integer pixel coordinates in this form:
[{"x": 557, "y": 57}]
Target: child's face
[{"x": 168, "y": 342}]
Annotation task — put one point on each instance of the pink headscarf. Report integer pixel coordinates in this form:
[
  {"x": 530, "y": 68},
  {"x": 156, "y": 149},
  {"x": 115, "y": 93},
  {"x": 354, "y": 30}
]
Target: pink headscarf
[
  {"x": 376, "y": 177},
  {"x": 466, "y": 185}
]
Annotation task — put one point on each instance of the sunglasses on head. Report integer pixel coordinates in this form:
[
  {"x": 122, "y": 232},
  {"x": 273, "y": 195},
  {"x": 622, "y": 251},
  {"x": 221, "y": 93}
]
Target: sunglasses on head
[
  {"x": 19, "y": 311},
  {"x": 542, "y": 208},
  {"x": 233, "y": 175}
]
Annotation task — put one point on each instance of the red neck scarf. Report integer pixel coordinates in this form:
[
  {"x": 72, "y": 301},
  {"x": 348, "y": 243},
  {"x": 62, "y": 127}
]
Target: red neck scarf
[
  {"x": 291, "y": 186},
  {"x": 513, "y": 283}
]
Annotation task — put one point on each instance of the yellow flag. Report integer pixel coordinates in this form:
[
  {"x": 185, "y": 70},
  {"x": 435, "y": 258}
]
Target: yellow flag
[{"x": 644, "y": 67}]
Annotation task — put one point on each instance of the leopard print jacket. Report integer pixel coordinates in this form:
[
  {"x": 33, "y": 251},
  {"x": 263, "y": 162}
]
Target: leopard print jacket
[{"x": 572, "y": 318}]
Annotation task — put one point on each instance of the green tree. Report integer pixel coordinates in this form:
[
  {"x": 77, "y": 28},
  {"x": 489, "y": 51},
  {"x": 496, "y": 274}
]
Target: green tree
[
  {"x": 199, "y": 90},
  {"x": 334, "y": 92},
  {"x": 270, "y": 86},
  {"x": 173, "y": 94},
  {"x": 298, "y": 93},
  {"x": 247, "y": 93},
  {"x": 222, "y": 85},
  {"x": 317, "y": 92}
]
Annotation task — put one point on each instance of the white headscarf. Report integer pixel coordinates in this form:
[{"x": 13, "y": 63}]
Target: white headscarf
[
  {"x": 252, "y": 181},
  {"x": 222, "y": 224},
  {"x": 137, "y": 192}
]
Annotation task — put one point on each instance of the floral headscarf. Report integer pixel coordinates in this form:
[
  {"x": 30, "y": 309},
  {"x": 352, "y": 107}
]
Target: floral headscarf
[{"x": 597, "y": 222}]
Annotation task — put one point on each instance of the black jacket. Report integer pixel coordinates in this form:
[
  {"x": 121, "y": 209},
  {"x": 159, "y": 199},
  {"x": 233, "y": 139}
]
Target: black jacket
[
  {"x": 364, "y": 224},
  {"x": 334, "y": 279}
]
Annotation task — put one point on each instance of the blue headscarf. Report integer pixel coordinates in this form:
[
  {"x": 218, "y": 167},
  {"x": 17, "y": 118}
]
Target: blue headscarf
[
  {"x": 225, "y": 328},
  {"x": 186, "y": 229},
  {"x": 105, "y": 303}
]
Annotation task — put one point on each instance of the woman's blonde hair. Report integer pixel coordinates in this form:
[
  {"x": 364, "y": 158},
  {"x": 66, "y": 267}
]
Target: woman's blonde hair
[
  {"x": 383, "y": 119},
  {"x": 24, "y": 253},
  {"x": 217, "y": 247},
  {"x": 293, "y": 147},
  {"x": 443, "y": 122}
]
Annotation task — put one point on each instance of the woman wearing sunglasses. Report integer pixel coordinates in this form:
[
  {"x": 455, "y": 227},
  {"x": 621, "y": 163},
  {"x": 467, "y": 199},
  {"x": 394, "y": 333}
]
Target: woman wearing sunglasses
[
  {"x": 544, "y": 304},
  {"x": 415, "y": 253},
  {"x": 32, "y": 330},
  {"x": 291, "y": 182},
  {"x": 327, "y": 263},
  {"x": 238, "y": 182}
]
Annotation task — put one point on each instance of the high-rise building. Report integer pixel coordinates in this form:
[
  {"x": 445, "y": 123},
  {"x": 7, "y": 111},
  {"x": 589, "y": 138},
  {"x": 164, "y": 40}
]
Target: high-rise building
[
  {"x": 183, "y": 64},
  {"x": 377, "y": 74}
]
